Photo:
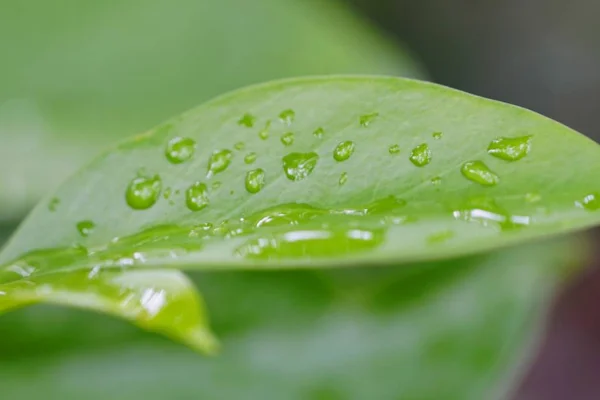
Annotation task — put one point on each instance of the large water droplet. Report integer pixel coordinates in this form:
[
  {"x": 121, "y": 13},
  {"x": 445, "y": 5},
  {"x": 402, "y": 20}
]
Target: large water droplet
[
  {"x": 485, "y": 211},
  {"x": 143, "y": 192},
  {"x": 219, "y": 161},
  {"x": 85, "y": 228},
  {"x": 250, "y": 158},
  {"x": 255, "y": 180},
  {"x": 343, "y": 178},
  {"x": 366, "y": 119},
  {"x": 298, "y": 166},
  {"x": 239, "y": 146},
  {"x": 287, "y": 116},
  {"x": 394, "y": 149},
  {"x": 478, "y": 172},
  {"x": 247, "y": 120},
  {"x": 196, "y": 197},
  {"x": 510, "y": 149},
  {"x": 318, "y": 133},
  {"x": 180, "y": 150},
  {"x": 420, "y": 156},
  {"x": 343, "y": 151},
  {"x": 590, "y": 202},
  {"x": 437, "y": 135},
  {"x": 264, "y": 132},
  {"x": 287, "y": 139},
  {"x": 53, "y": 204}
]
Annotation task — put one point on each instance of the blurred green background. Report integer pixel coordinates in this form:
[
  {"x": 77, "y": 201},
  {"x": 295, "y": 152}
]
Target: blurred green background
[{"x": 78, "y": 75}]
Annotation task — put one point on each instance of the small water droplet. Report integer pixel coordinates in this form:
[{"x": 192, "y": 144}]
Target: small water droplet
[
  {"x": 143, "y": 192},
  {"x": 590, "y": 202},
  {"x": 264, "y": 132},
  {"x": 180, "y": 150},
  {"x": 247, "y": 120},
  {"x": 437, "y": 135},
  {"x": 436, "y": 181},
  {"x": 394, "y": 149},
  {"x": 255, "y": 180},
  {"x": 420, "y": 156},
  {"x": 478, "y": 172},
  {"x": 367, "y": 119},
  {"x": 287, "y": 116},
  {"x": 196, "y": 197},
  {"x": 440, "y": 237},
  {"x": 250, "y": 158},
  {"x": 319, "y": 132},
  {"x": 85, "y": 228},
  {"x": 215, "y": 185},
  {"x": 298, "y": 166},
  {"x": 533, "y": 197},
  {"x": 219, "y": 161},
  {"x": 510, "y": 149},
  {"x": 239, "y": 146},
  {"x": 167, "y": 193},
  {"x": 287, "y": 139},
  {"x": 343, "y": 178},
  {"x": 343, "y": 151},
  {"x": 53, "y": 204}
]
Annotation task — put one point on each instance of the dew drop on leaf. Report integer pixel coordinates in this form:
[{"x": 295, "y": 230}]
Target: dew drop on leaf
[
  {"x": 287, "y": 116},
  {"x": 437, "y": 135},
  {"x": 487, "y": 212},
  {"x": 215, "y": 185},
  {"x": 239, "y": 146},
  {"x": 366, "y": 119},
  {"x": 196, "y": 197},
  {"x": 85, "y": 228},
  {"x": 250, "y": 158},
  {"x": 420, "y": 156},
  {"x": 510, "y": 149},
  {"x": 287, "y": 139},
  {"x": 318, "y": 133},
  {"x": 394, "y": 149},
  {"x": 255, "y": 180},
  {"x": 343, "y": 151},
  {"x": 143, "y": 192},
  {"x": 264, "y": 132},
  {"x": 343, "y": 178},
  {"x": 478, "y": 172},
  {"x": 590, "y": 202},
  {"x": 53, "y": 204},
  {"x": 167, "y": 193},
  {"x": 247, "y": 120},
  {"x": 219, "y": 161},
  {"x": 298, "y": 166},
  {"x": 180, "y": 150},
  {"x": 436, "y": 181}
]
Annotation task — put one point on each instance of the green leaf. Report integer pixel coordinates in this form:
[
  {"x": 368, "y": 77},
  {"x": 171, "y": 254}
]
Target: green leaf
[
  {"x": 471, "y": 175},
  {"x": 459, "y": 329},
  {"x": 86, "y": 74}
]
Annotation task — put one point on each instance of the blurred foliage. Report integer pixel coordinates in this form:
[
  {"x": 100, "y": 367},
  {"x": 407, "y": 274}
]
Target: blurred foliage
[{"x": 77, "y": 75}]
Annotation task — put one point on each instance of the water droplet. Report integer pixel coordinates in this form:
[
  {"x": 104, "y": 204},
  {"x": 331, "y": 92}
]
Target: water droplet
[
  {"x": 196, "y": 197},
  {"x": 239, "y": 146},
  {"x": 437, "y": 135},
  {"x": 510, "y": 149},
  {"x": 287, "y": 116},
  {"x": 533, "y": 197},
  {"x": 436, "y": 181},
  {"x": 167, "y": 193},
  {"x": 219, "y": 161},
  {"x": 343, "y": 151},
  {"x": 180, "y": 150},
  {"x": 264, "y": 132},
  {"x": 298, "y": 166},
  {"x": 215, "y": 185},
  {"x": 478, "y": 172},
  {"x": 247, "y": 120},
  {"x": 367, "y": 119},
  {"x": 85, "y": 228},
  {"x": 53, "y": 204},
  {"x": 287, "y": 139},
  {"x": 440, "y": 237},
  {"x": 343, "y": 178},
  {"x": 250, "y": 158},
  {"x": 394, "y": 149},
  {"x": 255, "y": 180},
  {"x": 420, "y": 155},
  {"x": 318, "y": 133},
  {"x": 484, "y": 210},
  {"x": 590, "y": 202},
  {"x": 143, "y": 192}
]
